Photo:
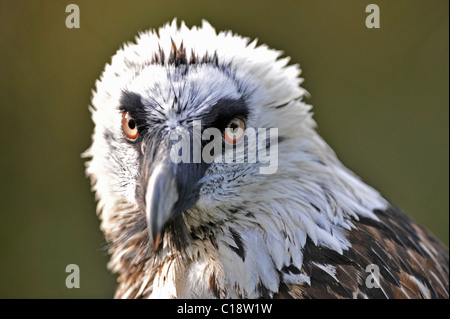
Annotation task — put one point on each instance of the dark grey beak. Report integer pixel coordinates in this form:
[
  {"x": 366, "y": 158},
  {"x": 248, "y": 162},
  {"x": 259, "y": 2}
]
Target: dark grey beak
[
  {"x": 169, "y": 189},
  {"x": 160, "y": 197}
]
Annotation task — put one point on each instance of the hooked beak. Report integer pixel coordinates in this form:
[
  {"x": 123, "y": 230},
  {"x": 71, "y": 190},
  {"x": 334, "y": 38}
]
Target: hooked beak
[
  {"x": 160, "y": 198},
  {"x": 170, "y": 189}
]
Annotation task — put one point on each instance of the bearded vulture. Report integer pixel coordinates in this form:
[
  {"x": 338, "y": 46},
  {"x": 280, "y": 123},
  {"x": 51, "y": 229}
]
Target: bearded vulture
[{"x": 212, "y": 182}]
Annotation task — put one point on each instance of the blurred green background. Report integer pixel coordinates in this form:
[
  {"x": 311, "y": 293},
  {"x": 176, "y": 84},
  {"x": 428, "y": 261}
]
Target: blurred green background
[{"x": 380, "y": 97}]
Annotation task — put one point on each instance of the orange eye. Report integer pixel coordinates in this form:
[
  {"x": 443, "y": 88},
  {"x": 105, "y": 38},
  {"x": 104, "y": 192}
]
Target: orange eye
[
  {"x": 234, "y": 131},
  {"x": 129, "y": 126}
]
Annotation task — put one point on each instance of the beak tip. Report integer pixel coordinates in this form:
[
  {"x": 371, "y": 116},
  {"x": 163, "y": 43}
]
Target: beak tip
[
  {"x": 154, "y": 234},
  {"x": 156, "y": 241}
]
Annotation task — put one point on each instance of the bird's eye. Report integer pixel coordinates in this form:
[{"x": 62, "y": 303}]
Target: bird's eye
[
  {"x": 129, "y": 126},
  {"x": 234, "y": 131}
]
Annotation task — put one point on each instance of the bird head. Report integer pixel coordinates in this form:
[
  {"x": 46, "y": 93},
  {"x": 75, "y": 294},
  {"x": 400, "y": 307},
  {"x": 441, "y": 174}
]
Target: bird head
[
  {"x": 188, "y": 124},
  {"x": 202, "y": 141}
]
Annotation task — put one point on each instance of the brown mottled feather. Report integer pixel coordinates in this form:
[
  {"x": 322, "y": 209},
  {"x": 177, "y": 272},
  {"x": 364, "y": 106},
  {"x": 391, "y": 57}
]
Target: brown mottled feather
[{"x": 405, "y": 253}]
